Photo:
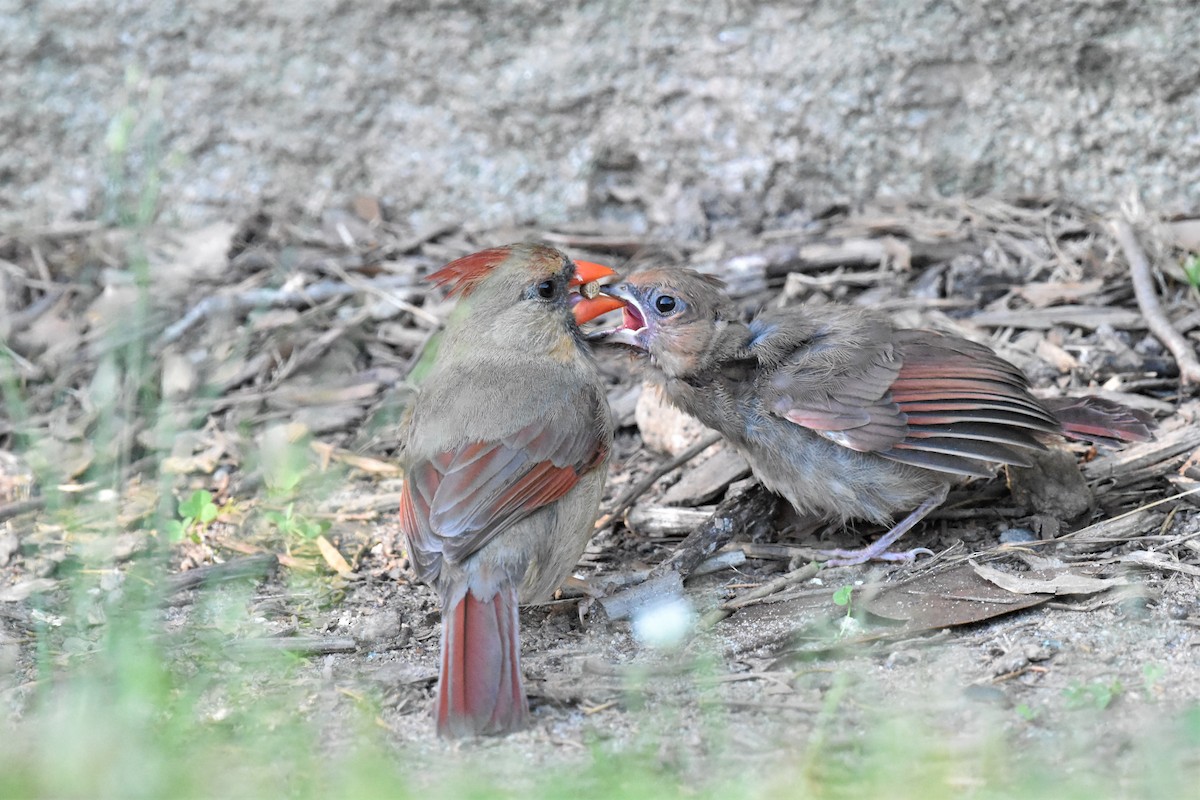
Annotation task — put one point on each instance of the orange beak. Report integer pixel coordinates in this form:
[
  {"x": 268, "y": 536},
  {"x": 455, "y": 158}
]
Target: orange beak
[{"x": 588, "y": 308}]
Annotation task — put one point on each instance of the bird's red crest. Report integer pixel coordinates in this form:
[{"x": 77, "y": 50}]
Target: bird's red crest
[{"x": 463, "y": 274}]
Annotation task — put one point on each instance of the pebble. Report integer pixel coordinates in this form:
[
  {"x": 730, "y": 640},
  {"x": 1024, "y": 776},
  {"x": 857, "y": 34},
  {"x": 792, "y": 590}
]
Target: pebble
[
  {"x": 1009, "y": 665},
  {"x": 1017, "y": 536},
  {"x": 1178, "y": 611},
  {"x": 380, "y": 626},
  {"x": 901, "y": 658},
  {"x": 1135, "y": 608},
  {"x": 1036, "y": 652}
]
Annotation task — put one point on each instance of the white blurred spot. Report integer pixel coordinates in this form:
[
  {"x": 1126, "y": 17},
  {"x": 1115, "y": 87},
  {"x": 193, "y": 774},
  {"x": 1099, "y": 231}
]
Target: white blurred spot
[{"x": 664, "y": 624}]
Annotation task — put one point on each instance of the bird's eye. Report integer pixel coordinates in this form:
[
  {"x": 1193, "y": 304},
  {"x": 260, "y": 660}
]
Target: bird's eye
[
  {"x": 664, "y": 304},
  {"x": 546, "y": 289}
]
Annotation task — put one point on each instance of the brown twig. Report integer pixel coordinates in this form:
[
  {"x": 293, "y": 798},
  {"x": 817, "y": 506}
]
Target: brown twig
[
  {"x": 746, "y": 504},
  {"x": 1147, "y": 298},
  {"x": 301, "y": 645},
  {"x": 279, "y": 298},
  {"x": 758, "y": 595},
  {"x": 21, "y": 507},
  {"x": 256, "y": 566}
]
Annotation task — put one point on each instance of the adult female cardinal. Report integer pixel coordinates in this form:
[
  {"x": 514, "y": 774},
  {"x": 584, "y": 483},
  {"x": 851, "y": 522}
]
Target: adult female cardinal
[
  {"x": 839, "y": 411},
  {"x": 504, "y": 451}
]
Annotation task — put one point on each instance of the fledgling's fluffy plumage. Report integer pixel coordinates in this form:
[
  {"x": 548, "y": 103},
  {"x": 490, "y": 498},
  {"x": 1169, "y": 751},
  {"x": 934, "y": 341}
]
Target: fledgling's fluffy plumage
[
  {"x": 839, "y": 411},
  {"x": 504, "y": 450}
]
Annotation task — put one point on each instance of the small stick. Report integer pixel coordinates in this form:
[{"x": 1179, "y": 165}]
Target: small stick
[
  {"x": 625, "y": 501},
  {"x": 747, "y": 503},
  {"x": 21, "y": 507},
  {"x": 755, "y": 596},
  {"x": 255, "y": 566},
  {"x": 300, "y": 645},
  {"x": 799, "y": 575},
  {"x": 1147, "y": 298},
  {"x": 279, "y": 298}
]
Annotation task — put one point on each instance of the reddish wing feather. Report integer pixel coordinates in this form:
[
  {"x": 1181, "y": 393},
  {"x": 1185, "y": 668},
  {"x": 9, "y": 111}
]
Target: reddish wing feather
[
  {"x": 414, "y": 524},
  {"x": 952, "y": 406},
  {"x": 453, "y": 504}
]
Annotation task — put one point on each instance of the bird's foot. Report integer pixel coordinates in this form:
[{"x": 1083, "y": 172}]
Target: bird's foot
[{"x": 878, "y": 551}]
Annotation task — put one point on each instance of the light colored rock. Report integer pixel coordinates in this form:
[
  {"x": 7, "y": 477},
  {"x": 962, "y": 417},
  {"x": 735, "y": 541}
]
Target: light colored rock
[{"x": 663, "y": 426}]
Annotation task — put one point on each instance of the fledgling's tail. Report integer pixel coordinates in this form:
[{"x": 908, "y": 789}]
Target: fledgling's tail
[
  {"x": 480, "y": 689},
  {"x": 1101, "y": 421}
]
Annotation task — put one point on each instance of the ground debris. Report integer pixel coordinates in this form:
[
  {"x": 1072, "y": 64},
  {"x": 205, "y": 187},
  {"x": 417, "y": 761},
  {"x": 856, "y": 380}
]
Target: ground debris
[{"x": 281, "y": 352}]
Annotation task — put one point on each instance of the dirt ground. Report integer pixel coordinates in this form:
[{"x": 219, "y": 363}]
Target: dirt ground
[
  {"x": 1043, "y": 611},
  {"x": 669, "y": 117},
  {"x": 305, "y": 168}
]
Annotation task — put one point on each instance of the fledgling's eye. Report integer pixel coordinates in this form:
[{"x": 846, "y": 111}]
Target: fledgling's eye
[
  {"x": 545, "y": 289},
  {"x": 664, "y": 304}
]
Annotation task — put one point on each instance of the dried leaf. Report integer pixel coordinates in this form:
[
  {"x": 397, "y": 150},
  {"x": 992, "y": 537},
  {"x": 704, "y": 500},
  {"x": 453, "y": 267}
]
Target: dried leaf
[
  {"x": 181, "y": 261},
  {"x": 69, "y": 459},
  {"x": 333, "y": 558},
  {"x": 1042, "y": 295},
  {"x": 1147, "y": 558},
  {"x": 1047, "y": 581},
  {"x": 179, "y": 378},
  {"x": 956, "y": 596},
  {"x": 52, "y": 337},
  {"x": 710, "y": 478},
  {"x": 1055, "y": 355},
  {"x": 1186, "y": 233}
]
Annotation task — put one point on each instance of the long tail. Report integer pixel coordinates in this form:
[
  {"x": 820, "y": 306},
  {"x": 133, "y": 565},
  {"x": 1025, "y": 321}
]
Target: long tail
[
  {"x": 480, "y": 689},
  {"x": 1101, "y": 421}
]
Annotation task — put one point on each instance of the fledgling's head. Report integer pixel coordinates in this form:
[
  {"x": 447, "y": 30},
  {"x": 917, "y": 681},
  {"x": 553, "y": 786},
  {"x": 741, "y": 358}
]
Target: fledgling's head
[
  {"x": 674, "y": 315},
  {"x": 522, "y": 290}
]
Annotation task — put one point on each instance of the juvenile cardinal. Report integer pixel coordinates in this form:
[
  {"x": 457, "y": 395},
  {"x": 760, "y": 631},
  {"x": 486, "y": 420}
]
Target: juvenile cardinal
[
  {"x": 839, "y": 411},
  {"x": 504, "y": 451}
]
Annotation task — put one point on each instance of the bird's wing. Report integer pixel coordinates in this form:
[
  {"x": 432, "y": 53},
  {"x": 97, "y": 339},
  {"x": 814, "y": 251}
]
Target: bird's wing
[
  {"x": 831, "y": 375},
  {"x": 917, "y": 397},
  {"x": 453, "y": 503}
]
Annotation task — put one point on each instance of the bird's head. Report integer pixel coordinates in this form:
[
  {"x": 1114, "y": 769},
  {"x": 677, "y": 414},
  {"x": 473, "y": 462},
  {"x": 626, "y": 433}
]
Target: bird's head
[
  {"x": 675, "y": 316},
  {"x": 525, "y": 289}
]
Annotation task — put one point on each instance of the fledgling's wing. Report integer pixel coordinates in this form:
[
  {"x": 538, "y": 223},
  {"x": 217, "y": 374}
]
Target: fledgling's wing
[
  {"x": 917, "y": 397},
  {"x": 964, "y": 403}
]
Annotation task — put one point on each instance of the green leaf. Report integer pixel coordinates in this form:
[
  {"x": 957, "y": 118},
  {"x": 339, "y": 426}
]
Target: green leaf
[
  {"x": 842, "y": 596},
  {"x": 176, "y": 529},
  {"x": 1096, "y": 695},
  {"x": 1191, "y": 268},
  {"x": 195, "y": 505},
  {"x": 208, "y": 513}
]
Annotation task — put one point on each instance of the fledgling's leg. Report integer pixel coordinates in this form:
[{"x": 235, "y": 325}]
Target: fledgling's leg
[{"x": 878, "y": 550}]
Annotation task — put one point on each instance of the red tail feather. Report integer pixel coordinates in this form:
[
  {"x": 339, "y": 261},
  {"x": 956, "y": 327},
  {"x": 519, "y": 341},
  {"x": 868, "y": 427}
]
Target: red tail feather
[{"x": 480, "y": 690}]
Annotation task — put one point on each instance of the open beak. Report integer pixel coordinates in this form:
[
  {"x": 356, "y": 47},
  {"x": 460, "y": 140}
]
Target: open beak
[
  {"x": 633, "y": 319},
  {"x": 590, "y": 303}
]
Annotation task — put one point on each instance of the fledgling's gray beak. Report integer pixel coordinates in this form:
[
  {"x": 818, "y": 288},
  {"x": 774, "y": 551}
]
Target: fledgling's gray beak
[{"x": 632, "y": 329}]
